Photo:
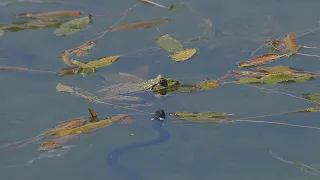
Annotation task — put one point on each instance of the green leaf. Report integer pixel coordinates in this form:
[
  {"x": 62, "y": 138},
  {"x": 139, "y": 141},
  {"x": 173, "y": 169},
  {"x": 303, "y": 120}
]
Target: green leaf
[
  {"x": 169, "y": 43},
  {"x": 213, "y": 117},
  {"x": 313, "y": 97},
  {"x": 72, "y": 26},
  {"x": 96, "y": 63},
  {"x": 275, "y": 78},
  {"x": 208, "y": 84}
]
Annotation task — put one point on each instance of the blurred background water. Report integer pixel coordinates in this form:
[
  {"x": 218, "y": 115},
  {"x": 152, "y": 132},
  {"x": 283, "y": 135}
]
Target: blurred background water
[{"x": 204, "y": 151}]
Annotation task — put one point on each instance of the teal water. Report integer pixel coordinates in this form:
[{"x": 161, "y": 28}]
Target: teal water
[{"x": 205, "y": 151}]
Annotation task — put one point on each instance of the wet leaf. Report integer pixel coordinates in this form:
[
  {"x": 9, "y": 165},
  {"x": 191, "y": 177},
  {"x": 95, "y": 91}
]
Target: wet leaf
[
  {"x": 275, "y": 78},
  {"x": 82, "y": 50},
  {"x": 64, "y": 88},
  {"x": 183, "y": 55},
  {"x": 278, "y": 69},
  {"x": 50, "y": 15},
  {"x": 169, "y": 43},
  {"x": 96, "y": 63},
  {"x": 72, "y": 26},
  {"x": 65, "y": 58},
  {"x": 290, "y": 43},
  {"x": 264, "y": 59},
  {"x": 138, "y": 25},
  {"x": 74, "y": 71},
  {"x": 92, "y": 126},
  {"x": 249, "y": 73},
  {"x": 49, "y": 145},
  {"x": 315, "y": 97},
  {"x": 213, "y": 117},
  {"x": 312, "y": 109},
  {"x": 18, "y": 26},
  {"x": 208, "y": 84}
]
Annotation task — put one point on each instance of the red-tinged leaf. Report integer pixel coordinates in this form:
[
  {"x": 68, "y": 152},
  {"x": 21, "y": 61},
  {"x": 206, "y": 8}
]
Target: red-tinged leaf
[
  {"x": 50, "y": 15},
  {"x": 264, "y": 59},
  {"x": 291, "y": 43}
]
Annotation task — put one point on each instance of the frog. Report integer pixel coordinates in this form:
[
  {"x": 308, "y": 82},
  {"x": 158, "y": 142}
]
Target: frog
[{"x": 161, "y": 84}]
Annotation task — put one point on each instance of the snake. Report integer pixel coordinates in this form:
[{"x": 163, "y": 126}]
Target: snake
[{"x": 114, "y": 155}]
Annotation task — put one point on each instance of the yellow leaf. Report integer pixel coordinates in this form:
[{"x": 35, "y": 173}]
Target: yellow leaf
[
  {"x": 97, "y": 63},
  {"x": 183, "y": 55},
  {"x": 290, "y": 42}
]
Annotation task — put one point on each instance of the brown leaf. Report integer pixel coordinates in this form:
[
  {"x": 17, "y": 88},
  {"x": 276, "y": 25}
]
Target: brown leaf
[
  {"x": 264, "y": 59},
  {"x": 92, "y": 113},
  {"x": 50, "y": 15},
  {"x": 291, "y": 43},
  {"x": 65, "y": 58},
  {"x": 64, "y": 88},
  {"x": 82, "y": 49},
  {"x": 137, "y": 25}
]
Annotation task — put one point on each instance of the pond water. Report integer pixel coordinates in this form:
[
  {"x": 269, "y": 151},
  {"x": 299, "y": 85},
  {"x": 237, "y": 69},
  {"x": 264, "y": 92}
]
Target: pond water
[{"x": 204, "y": 151}]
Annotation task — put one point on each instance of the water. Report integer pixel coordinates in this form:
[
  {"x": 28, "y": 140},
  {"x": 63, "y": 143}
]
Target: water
[{"x": 31, "y": 104}]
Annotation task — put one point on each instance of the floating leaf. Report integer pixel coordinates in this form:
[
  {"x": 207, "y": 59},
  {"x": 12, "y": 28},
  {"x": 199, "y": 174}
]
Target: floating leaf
[
  {"x": 278, "y": 69},
  {"x": 313, "y": 97},
  {"x": 82, "y": 50},
  {"x": 50, "y": 15},
  {"x": 92, "y": 126},
  {"x": 169, "y": 43},
  {"x": 72, "y": 26},
  {"x": 183, "y": 55},
  {"x": 213, "y": 117},
  {"x": 249, "y": 73},
  {"x": 97, "y": 63},
  {"x": 290, "y": 43},
  {"x": 275, "y": 78},
  {"x": 208, "y": 84},
  {"x": 264, "y": 59},
  {"x": 65, "y": 58},
  {"x": 312, "y": 109},
  {"x": 64, "y": 88},
  {"x": 76, "y": 71},
  {"x": 18, "y": 26},
  {"x": 137, "y": 25},
  {"x": 49, "y": 145}
]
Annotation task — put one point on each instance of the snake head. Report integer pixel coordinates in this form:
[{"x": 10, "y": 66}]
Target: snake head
[{"x": 159, "y": 115}]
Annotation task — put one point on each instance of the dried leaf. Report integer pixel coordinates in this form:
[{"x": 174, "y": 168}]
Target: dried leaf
[
  {"x": 96, "y": 63},
  {"x": 208, "y": 84},
  {"x": 290, "y": 43},
  {"x": 264, "y": 59},
  {"x": 49, "y": 145},
  {"x": 312, "y": 109},
  {"x": 82, "y": 50},
  {"x": 72, "y": 26},
  {"x": 64, "y": 88},
  {"x": 65, "y": 58},
  {"x": 50, "y": 15},
  {"x": 315, "y": 97},
  {"x": 92, "y": 112},
  {"x": 183, "y": 55},
  {"x": 169, "y": 43},
  {"x": 137, "y": 25},
  {"x": 91, "y": 126}
]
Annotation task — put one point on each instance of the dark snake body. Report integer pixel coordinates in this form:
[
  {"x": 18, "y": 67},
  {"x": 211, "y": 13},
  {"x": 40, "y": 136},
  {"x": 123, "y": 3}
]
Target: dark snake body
[{"x": 114, "y": 155}]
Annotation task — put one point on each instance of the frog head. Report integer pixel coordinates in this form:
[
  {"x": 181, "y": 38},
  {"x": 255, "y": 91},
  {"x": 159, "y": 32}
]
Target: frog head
[{"x": 160, "y": 83}]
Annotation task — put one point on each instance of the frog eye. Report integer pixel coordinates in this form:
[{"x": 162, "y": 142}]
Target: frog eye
[{"x": 163, "y": 82}]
